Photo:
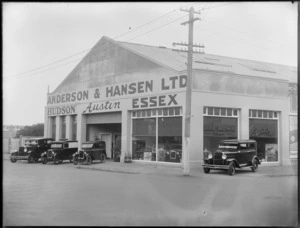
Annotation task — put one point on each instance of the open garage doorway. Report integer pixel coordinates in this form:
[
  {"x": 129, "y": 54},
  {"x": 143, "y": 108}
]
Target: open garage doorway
[{"x": 108, "y": 132}]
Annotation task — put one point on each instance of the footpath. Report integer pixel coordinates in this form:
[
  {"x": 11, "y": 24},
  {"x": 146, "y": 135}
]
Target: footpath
[
  {"x": 177, "y": 170},
  {"x": 160, "y": 169}
]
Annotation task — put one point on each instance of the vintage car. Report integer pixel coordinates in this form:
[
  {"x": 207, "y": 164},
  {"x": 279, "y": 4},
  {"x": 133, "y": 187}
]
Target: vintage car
[
  {"x": 90, "y": 151},
  {"x": 232, "y": 154},
  {"x": 32, "y": 150},
  {"x": 59, "y": 151},
  {"x": 170, "y": 152}
]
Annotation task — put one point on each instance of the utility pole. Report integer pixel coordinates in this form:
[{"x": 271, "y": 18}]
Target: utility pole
[{"x": 186, "y": 154}]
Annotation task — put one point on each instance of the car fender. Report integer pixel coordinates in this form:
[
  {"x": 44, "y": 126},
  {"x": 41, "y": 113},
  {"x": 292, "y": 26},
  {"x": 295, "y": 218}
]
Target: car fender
[
  {"x": 255, "y": 157},
  {"x": 233, "y": 160}
]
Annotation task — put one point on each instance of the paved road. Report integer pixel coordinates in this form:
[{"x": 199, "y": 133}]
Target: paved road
[{"x": 50, "y": 195}]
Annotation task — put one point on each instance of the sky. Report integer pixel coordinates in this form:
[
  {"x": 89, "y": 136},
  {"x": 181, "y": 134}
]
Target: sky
[{"x": 43, "y": 42}]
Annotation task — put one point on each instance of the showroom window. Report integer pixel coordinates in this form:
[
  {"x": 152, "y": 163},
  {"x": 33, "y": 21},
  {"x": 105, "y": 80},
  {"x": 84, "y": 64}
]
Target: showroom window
[
  {"x": 74, "y": 127},
  {"x": 157, "y": 135},
  {"x": 263, "y": 127},
  {"x": 219, "y": 124}
]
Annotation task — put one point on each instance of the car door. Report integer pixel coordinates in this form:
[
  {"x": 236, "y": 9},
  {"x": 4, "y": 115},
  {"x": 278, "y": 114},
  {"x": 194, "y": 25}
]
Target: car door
[
  {"x": 243, "y": 153},
  {"x": 95, "y": 152},
  {"x": 252, "y": 151},
  {"x": 65, "y": 151}
]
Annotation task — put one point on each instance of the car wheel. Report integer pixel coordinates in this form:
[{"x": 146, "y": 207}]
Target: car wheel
[
  {"x": 30, "y": 159},
  {"x": 75, "y": 160},
  {"x": 44, "y": 160},
  {"x": 102, "y": 158},
  {"x": 55, "y": 160},
  {"x": 88, "y": 160},
  {"x": 13, "y": 160},
  {"x": 255, "y": 166},
  {"x": 231, "y": 170},
  {"x": 206, "y": 170}
]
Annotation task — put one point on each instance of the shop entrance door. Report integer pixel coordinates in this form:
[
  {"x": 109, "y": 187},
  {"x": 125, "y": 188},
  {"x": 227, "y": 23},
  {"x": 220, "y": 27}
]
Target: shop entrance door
[{"x": 107, "y": 138}]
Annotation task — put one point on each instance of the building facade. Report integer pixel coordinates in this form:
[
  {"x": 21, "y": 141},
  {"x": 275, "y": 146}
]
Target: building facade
[{"x": 132, "y": 96}]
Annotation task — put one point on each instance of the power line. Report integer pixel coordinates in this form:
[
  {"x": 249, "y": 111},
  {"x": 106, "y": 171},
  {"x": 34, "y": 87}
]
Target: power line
[
  {"x": 157, "y": 28},
  {"x": 87, "y": 50},
  {"x": 51, "y": 63},
  {"x": 147, "y": 23},
  {"x": 135, "y": 29}
]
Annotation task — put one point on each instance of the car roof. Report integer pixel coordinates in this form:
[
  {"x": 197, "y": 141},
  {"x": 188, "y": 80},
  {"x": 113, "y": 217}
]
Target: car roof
[
  {"x": 98, "y": 141},
  {"x": 64, "y": 141},
  {"x": 38, "y": 139},
  {"x": 238, "y": 141}
]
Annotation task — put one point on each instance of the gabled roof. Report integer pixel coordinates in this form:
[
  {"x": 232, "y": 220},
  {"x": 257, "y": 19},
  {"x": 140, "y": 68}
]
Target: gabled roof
[{"x": 177, "y": 60}]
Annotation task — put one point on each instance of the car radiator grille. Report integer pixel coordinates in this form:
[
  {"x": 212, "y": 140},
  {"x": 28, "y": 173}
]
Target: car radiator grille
[
  {"x": 81, "y": 154},
  {"x": 217, "y": 159},
  {"x": 49, "y": 154}
]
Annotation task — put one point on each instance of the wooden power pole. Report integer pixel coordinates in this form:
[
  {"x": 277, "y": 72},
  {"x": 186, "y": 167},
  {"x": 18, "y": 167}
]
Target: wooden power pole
[{"x": 186, "y": 154}]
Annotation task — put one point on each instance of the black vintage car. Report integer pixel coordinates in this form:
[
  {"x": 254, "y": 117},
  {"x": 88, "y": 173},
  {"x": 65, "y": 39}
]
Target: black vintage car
[
  {"x": 232, "y": 154},
  {"x": 59, "y": 151},
  {"x": 90, "y": 151},
  {"x": 32, "y": 150}
]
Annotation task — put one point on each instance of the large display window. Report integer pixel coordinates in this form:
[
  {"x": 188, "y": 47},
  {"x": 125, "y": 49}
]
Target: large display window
[
  {"x": 219, "y": 124},
  {"x": 263, "y": 127},
  {"x": 144, "y": 139},
  {"x": 157, "y": 135}
]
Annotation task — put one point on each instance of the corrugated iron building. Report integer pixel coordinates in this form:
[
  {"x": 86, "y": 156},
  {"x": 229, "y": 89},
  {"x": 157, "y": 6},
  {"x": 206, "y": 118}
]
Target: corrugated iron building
[{"x": 133, "y": 97}]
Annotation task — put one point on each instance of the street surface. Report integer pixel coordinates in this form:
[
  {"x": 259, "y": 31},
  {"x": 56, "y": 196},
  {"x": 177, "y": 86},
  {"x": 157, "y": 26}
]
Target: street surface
[{"x": 61, "y": 195}]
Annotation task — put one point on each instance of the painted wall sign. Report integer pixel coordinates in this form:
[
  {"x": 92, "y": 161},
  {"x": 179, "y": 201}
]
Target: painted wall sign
[
  {"x": 102, "y": 106},
  {"x": 132, "y": 88},
  {"x": 262, "y": 128},
  {"x": 155, "y": 101},
  {"x": 120, "y": 90},
  {"x": 62, "y": 110},
  {"x": 220, "y": 126},
  {"x": 68, "y": 97}
]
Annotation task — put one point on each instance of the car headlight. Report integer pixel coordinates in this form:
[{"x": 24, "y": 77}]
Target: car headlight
[
  {"x": 224, "y": 156},
  {"x": 25, "y": 150},
  {"x": 210, "y": 156}
]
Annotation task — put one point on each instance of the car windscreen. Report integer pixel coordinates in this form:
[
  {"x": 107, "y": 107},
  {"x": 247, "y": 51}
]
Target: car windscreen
[
  {"x": 87, "y": 146},
  {"x": 56, "y": 145},
  {"x": 31, "y": 143},
  {"x": 228, "y": 147}
]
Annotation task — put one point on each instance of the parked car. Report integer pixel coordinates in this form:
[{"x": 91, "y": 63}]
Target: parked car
[
  {"x": 232, "y": 154},
  {"x": 59, "y": 151},
  {"x": 32, "y": 150},
  {"x": 90, "y": 151}
]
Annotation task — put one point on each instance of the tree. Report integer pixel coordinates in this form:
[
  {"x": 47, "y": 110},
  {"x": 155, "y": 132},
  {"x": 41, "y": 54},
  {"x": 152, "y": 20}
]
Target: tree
[{"x": 34, "y": 130}]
